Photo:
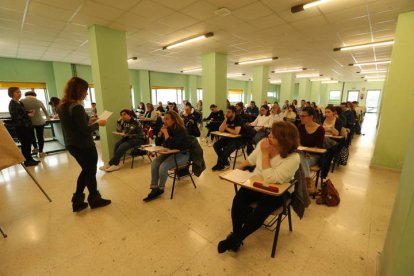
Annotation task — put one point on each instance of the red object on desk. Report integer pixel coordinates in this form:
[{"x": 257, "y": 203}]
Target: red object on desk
[{"x": 267, "y": 188}]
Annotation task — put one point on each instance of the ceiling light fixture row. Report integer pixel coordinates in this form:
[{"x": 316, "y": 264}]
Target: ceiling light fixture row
[
  {"x": 255, "y": 61},
  {"x": 132, "y": 59},
  {"x": 370, "y": 63},
  {"x": 188, "y": 40},
  {"x": 314, "y": 75},
  {"x": 236, "y": 75},
  {"x": 288, "y": 70},
  {"x": 191, "y": 70},
  {"x": 302, "y": 7},
  {"x": 372, "y": 72},
  {"x": 367, "y": 45}
]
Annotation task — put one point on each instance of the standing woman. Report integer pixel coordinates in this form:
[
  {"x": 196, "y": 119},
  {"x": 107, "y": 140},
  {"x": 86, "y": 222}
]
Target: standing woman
[
  {"x": 22, "y": 123},
  {"x": 173, "y": 135},
  {"x": 79, "y": 141}
]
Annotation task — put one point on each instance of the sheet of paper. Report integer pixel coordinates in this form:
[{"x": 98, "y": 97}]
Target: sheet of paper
[
  {"x": 105, "y": 115},
  {"x": 238, "y": 176}
]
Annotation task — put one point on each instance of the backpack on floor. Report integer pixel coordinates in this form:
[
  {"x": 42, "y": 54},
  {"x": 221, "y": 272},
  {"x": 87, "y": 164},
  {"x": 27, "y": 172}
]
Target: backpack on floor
[
  {"x": 329, "y": 194},
  {"x": 344, "y": 155}
]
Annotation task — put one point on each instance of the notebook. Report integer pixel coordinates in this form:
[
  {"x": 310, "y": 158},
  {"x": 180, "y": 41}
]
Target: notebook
[{"x": 237, "y": 176}]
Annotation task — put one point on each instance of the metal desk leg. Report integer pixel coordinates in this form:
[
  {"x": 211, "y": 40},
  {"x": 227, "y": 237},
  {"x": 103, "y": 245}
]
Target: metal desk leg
[{"x": 4, "y": 234}]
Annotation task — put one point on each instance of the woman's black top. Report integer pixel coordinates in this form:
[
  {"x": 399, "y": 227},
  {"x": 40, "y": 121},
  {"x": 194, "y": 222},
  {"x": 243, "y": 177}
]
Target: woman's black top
[
  {"x": 19, "y": 114},
  {"x": 75, "y": 125}
]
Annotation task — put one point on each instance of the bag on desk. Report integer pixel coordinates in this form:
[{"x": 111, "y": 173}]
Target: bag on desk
[{"x": 329, "y": 194}]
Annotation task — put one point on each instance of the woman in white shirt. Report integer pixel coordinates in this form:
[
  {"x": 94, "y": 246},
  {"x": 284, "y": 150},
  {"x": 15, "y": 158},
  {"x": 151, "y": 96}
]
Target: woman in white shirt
[
  {"x": 262, "y": 124},
  {"x": 276, "y": 161},
  {"x": 290, "y": 114},
  {"x": 276, "y": 113}
]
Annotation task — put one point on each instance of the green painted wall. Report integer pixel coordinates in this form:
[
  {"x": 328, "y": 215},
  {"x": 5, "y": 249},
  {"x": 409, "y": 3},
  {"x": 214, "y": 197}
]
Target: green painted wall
[
  {"x": 84, "y": 72},
  {"x": 23, "y": 70},
  {"x": 62, "y": 73},
  {"x": 134, "y": 81},
  {"x": 214, "y": 79},
  {"x": 394, "y": 128},
  {"x": 397, "y": 255}
]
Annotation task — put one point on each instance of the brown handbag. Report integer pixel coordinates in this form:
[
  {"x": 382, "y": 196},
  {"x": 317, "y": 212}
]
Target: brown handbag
[{"x": 329, "y": 194}]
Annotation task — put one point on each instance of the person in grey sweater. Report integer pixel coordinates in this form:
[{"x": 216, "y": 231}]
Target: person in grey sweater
[{"x": 38, "y": 122}]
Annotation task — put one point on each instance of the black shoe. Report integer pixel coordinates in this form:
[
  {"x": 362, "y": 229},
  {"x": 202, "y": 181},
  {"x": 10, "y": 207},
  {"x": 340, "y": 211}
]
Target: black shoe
[
  {"x": 78, "y": 202},
  {"x": 96, "y": 200},
  {"x": 154, "y": 194},
  {"x": 218, "y": 167},
  {"x": 230, "y": 243},
  {"x": 97, "y": 138},
  {"x": 31, "y": 163}
]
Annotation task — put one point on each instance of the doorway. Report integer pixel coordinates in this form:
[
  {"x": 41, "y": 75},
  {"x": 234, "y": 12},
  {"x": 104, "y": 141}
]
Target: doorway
[{"x": 372, "y": 101}]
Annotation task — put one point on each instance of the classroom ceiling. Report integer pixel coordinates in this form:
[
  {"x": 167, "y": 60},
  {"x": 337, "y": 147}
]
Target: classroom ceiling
[{"x": 56, "y": 30}]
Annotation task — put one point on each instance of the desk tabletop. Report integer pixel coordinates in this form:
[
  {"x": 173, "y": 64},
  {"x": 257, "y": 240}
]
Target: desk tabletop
[
  {"x": 119, "y": 133},
  {"x": 159, "y": 149},
  {"x": 283, "y": 187},
  {"x": 312, "y": 150},
  {"x": 334, "y": 136},
  {"x": 225, "y": 134}
]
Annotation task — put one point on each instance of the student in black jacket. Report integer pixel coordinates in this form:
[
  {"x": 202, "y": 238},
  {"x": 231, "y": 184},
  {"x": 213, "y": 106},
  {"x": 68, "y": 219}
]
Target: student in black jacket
[
  {"x": 174, "y": 136},
  {"x": 78, "y": 134},
  {"x": 133, "y": 136},
  {"x": 215, "y": 119},
  {"x": 22, "y": 124}
]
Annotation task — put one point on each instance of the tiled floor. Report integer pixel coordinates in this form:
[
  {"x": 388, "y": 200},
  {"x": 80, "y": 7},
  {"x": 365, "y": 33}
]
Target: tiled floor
[{"x": 180, "y": 236}]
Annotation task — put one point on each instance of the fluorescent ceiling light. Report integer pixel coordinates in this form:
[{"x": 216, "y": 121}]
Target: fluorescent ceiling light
[
  {"x": 329, "y": 81},
  {"x": 375, "y": 77},
  {"x": 131, "y": 59},
  {"x": 275, "y": 81},
  {"x": 321, "y": 79},
  {"x": 313, "y": 75},
  {"x": 255, "y": 61},
  {"x": 236, "y": 75},
  {"x": 367, "y": 45},
  {"x": 302, "y": 7},
  {"x": 287, "y": 70},
  {"x": 372, "y": 72},
  {"x": 189, "y": 40},
  {"x": 372, "y": 80},
  {"x": 370, "y": 63},
  {"x": 191, "y": 70}
]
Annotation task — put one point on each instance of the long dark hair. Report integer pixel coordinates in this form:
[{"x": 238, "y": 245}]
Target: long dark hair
[
  {"x": 178, "y": 121},
  {"x": 287, "y": 135},
  {"x": 265, "y": 106},
  {"x": 74, "y": 90}
]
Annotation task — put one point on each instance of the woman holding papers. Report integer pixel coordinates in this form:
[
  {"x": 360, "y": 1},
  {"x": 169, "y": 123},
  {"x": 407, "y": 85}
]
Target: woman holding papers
[
  {"x": 79, "y": 141},
  {"x": 276, "y": 161}
]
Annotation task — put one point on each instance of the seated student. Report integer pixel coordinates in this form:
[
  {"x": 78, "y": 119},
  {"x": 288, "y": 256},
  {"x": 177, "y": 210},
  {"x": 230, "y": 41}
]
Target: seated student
[
  {"x": 225, "y": 146},
  {"x": 158, "y": 124},
  {"x": 150, "y": 113},
  {"x": 174, "y": 136},
  {"x": 276, "y": 161},
  {"x": 311, "y": 135},
  {"x": 172, "y": 106},
  {"x": 340, "y": 115},
  {"x": 350, "y": 117},
  {"x": 38, "y": 122},
  {"x": 190, "y": 122},
  {"x": 290, "y": 114},
  {"x": 239, "y": 109},
  {"x": 262, "y": 124},
  {"x": 252, "y": 110},
  {"x": 215, "y": 119},
  {"x": 330, "y": 123},
  {"x": 276, "y": 113},
  {"x": 160, "y": 108},
  {"x": 134, "y": 137}
]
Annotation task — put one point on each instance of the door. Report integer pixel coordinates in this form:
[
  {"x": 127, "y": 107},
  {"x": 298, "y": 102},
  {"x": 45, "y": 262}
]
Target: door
[{"x": 372, "y": 101}]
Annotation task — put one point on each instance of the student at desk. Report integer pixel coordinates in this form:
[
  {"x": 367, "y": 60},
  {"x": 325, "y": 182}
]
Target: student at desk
[
  {"x": 261, "y": 124},
  {"x": 174, "y": 136},
  {"x": 276, "y": 162},
  {"x": 133, "y": 136},
  {"x": 311, "y": 135},
  {"x": 215, "y": 119},
  {"x": 330, "y": 123},
  {"x": 225, "y": 146}
]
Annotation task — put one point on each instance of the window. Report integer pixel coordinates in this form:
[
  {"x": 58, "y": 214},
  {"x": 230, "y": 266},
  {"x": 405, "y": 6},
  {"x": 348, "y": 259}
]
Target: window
[
  {"x": 167, "y": 94},
  {"x": 235, "y": 95},
  {"x": 90, "y": 98},
  {"x": 199, "y": 94},
  {"x": 133, "y": 98},
  {"x": 353, "y": 95},
  {"x": 38, "y": 88},
  {"x": 335, "y": 96}
]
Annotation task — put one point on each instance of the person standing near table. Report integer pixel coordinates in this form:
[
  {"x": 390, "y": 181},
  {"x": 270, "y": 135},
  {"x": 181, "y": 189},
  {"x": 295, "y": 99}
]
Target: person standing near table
[
  {"x": 22, "y": 124},
  {"x": 225, "y": 146},
  {"x": 78, "y": 134},
  {"x": 276, "y": 161},
  {"x": 38, "y": 122},
  {"x": 173, "y": 135}
]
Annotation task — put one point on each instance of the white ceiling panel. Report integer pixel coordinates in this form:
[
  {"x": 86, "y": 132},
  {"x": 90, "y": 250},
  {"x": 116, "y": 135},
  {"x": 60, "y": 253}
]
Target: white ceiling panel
[
  {"x": 151, "y": 10},
  {"x": 176, "y": 4},
  {"x": 200, "y": 10},
  {"x": 252, "y": 11}
]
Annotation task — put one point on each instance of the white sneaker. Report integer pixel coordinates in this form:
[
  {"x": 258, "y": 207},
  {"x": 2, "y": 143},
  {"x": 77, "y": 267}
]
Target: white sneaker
[
  {"x": 104, "y": 167},
  {"x": 113, "y": 168}
]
